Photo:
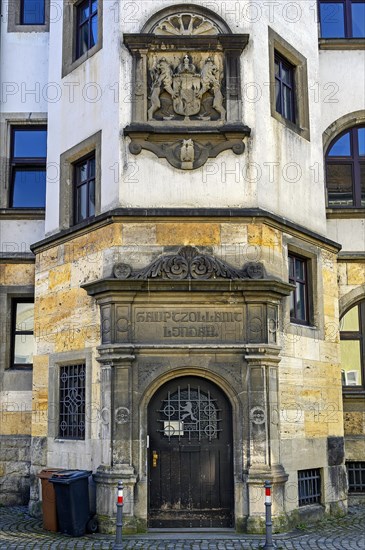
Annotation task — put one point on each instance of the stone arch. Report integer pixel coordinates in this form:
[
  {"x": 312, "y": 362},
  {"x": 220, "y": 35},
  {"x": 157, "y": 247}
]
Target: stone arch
[
  {"x": 219, "y": 26},
  {"x": 239, "y": 433},
  {"x": 340, "y": 125},
  {"x": 220, "y": 381},
  {"x": 351, "y": 299},
  {"x": 231, "y": 472}
]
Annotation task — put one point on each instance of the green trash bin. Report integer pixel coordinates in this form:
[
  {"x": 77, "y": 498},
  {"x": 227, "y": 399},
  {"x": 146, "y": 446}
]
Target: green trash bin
[{"x": 72, "y": 498}]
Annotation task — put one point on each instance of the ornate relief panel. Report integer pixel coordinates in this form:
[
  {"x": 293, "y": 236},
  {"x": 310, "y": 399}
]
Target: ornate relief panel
[{"x": 187, "y": 86}]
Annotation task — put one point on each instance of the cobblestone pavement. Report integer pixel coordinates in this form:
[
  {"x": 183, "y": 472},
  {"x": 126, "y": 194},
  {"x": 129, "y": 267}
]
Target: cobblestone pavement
[{"x": 18, "y": 531}]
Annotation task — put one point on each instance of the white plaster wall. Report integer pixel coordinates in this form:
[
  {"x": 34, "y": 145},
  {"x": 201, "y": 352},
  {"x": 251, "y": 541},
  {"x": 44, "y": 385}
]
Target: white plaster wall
[
  {"x": 88, "y": 102},
  {"x": 350, "y": 233},
  {"x": 342, "y": 84},
  {"x": 18, "y": 235},
  {"x": 24, "y": 70},
  {"x": 294, "y": 191}
]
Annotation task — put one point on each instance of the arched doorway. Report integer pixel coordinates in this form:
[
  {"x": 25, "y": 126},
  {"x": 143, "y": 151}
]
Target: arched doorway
[{"x": 190, "y": 459}]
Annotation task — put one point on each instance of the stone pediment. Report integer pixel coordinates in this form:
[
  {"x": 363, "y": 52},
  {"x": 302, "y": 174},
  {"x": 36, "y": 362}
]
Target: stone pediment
[
  {"x": 189, "y": 263},
  {"x": 187, "y": 90}
]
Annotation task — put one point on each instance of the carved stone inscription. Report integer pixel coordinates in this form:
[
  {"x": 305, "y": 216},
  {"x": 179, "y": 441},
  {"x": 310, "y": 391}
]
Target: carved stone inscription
[
  {"x": 188, "y": 325},
  {"x": 186, "y": 87}
]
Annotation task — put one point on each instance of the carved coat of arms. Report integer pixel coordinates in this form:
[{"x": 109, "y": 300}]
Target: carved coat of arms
[{"x": 186, "y": 86}]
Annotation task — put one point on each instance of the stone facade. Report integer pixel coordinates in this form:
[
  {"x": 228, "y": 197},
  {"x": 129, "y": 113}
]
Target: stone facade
[{"x": 202, "y": 193}]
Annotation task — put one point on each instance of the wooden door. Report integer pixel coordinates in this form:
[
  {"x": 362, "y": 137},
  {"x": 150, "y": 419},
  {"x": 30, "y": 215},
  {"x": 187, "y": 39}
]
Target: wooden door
[{"x": 190, "y": 456}]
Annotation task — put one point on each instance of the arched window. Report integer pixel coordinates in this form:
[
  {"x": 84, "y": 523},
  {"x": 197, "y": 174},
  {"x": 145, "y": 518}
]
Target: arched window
[
  {"x": 345, "y": 169},
  {"x": 353, "y": 347}
]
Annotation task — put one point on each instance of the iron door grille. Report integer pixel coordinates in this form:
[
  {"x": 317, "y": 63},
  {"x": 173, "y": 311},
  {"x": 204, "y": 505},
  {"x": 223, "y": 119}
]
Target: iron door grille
[
  {"x": 309, "y": 486},
  {"x": 356, "y": 476},
  {"x": 72, "y": 402}
]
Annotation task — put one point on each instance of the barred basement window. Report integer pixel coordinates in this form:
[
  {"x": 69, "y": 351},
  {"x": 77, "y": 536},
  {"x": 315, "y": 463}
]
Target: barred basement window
[
  {"x": 356, "y": 475},
  {"x": 309, "y": 486},
  {"x": 72, "y": 402}
]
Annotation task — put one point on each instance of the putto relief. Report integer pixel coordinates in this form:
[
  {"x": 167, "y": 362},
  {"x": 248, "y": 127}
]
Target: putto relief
[{"x": 185, "y": 87}]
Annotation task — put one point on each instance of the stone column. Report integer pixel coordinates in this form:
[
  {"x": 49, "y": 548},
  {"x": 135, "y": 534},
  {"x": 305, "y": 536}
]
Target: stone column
[
  {"x": 117, "y": 433},
  {"x": 263, "y": 455}
]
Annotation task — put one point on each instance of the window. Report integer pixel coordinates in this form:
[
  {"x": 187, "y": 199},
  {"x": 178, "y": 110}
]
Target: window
[
  {"x": 85, "y": 189},
  {"x": 298, "y": 276},
  {"x": 288, "y": 85},
  {"x": 32, "y": 12},
  {"x": 87, "y": 26},
  {"x": 356, "y": 476},
  {"x": 352, "y": 334},
  {"x": 28, "y": 15},
  {"x": 309, "y": 486},
  {"x": 284, "y": 88},
  {"x": 22, "y": 333},
  {"x": 28, "y": 167},
  {"x": 82, "y": 165},
  {"x": 72, "y": 402},
  {"x": 345, "y": 170},
  {"x": 343, "y": 19}
]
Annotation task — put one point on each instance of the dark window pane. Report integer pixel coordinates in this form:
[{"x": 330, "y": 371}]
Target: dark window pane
[
  {"x": 278, "y": 97},
  {"x": 94, "y": 31},
  {"x": 82, "y": 203},
  {"x": 332, "y": 20},
  {"x": 84, "y": 11},
  {"x": 292, "y": 307},
  {"x": 24, "y": 320},
  {"x": 30, "y": 143},
  {"x": 92, "y": 168},
  {"x": 94, "y": 6},
  {"x": 358, "y": 19},
  {"x": 342, "y": 147},
  {"x": 288, "y": 103},
  {"x": 362, "y": 183},
  {"x": 29, "y": 188},
  {"x": 92, "y": 198},
  {"x": 82, "y": 172},
  {"x": 286, "y": 74},
  {"x": 84, "y": 38},
  {"x": 361, "y": 137},
  {"x": 32, "y": 12},
  {"x": 23, "y": 349},
  {"x": 299, "y": 269},
  {"x": 301, "y": 305},
  {"x": 339, "y": 185}
]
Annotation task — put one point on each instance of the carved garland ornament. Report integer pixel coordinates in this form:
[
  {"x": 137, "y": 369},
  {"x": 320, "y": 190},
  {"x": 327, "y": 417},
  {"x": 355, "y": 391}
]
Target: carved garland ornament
[{"x": 190, "y": 263}]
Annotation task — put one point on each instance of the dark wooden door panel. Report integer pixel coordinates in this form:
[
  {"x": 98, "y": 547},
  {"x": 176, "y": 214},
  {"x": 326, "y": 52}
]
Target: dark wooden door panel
[{"x": 190, "y": 456}]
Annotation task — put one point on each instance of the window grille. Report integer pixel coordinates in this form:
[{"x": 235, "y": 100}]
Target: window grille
[
  {"x": 356, "y": 476},
  {"x": 72, "y": 402},
  {"x": 309, "y": 486},
  {"x": 189, "y": 413}
]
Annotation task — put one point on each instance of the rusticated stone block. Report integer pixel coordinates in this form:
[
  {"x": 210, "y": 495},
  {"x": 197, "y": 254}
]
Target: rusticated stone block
[{"x": 188, "y": 234}]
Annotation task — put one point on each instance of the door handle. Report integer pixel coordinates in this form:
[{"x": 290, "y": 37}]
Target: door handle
[{"x": 154, "y": 459}]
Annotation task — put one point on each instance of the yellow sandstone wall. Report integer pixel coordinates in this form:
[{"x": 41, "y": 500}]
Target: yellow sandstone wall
[{"x": 15, "y": 405}]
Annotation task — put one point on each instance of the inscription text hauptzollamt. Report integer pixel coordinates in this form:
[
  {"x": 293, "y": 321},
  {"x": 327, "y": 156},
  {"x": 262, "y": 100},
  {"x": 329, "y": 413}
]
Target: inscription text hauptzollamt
[{"x": 183, "y": 324}]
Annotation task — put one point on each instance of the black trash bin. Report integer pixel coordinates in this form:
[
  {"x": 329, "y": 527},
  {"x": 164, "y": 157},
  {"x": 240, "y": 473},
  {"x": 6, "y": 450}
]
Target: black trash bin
[{"x": 72, "y": 498}]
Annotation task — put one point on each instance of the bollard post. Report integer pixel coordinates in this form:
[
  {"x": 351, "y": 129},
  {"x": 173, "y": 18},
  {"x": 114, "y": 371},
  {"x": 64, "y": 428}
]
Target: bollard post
[
  {"x": 269, "y": 545},
  {"x": 118, "y": 535}
]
